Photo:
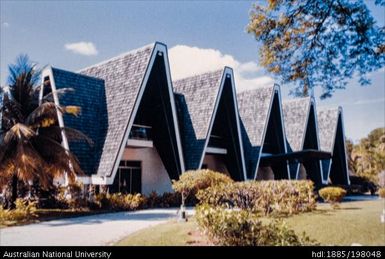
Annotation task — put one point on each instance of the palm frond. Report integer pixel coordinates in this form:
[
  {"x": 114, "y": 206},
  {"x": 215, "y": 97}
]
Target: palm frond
[
  {"x": 18, "y": 133},
  {"x": 54, "y": 132},
  {"x": 44, "y": 115},
  {"x": 59, "y": 93}
]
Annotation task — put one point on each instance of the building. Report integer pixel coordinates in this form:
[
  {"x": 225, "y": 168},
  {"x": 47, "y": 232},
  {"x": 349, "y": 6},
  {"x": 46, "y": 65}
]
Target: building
[
  {"x": 263, "y": 133},
  {"x": 332, "y": 135},
  {"x": 209, "y": 123},
  {"x": 146, "y": 130}
]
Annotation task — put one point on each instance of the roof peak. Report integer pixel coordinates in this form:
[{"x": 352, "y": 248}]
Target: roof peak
[
  {"x": 120, "y": 56},
  {"x": 214, "y": 71}
]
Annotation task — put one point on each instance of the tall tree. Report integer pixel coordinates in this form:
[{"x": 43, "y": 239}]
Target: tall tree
[
  {"x": 30, "y": 143},
  {"x": 318, "y": 43},
  {"x": 367, "y": 158}
]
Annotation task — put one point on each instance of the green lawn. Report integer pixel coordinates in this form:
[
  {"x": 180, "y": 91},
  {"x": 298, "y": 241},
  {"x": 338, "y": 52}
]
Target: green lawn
[{"x": 355, "y": 222}]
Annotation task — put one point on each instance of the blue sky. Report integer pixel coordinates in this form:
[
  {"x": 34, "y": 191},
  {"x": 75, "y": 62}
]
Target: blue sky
[{"x": 216, "y": 30}]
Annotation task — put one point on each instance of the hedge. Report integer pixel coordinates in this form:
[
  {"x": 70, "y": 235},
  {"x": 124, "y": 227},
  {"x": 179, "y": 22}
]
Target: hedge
[{"x": 284, "y": 197}]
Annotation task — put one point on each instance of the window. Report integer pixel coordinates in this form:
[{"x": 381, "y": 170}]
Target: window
[
  {"x": 128, "y": 178},
  {"x": 141, "y": 132}
]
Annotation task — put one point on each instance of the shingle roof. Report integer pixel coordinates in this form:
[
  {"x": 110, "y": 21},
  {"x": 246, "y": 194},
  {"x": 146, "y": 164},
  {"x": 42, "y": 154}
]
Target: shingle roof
[
  {"x": 295, "y": 115},
  {"x": 327, "y": 125},
  {"x": 90, "y": 96},
  {"x": 254, "y": 108},
  {"x": 196, "y": 97},
  {"x": 123, "y": 77}
]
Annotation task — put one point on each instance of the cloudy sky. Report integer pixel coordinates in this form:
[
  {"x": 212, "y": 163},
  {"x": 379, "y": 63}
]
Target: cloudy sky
[{"x": 201, "y": 36}]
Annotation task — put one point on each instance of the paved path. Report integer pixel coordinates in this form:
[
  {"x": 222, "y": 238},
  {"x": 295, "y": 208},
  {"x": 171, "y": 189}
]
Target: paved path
[{"x": 102, "y": 229}]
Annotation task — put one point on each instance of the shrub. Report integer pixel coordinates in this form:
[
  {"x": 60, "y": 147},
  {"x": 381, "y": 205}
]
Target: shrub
[
  {"x": 332, "y": 195},
  {"x": 191, "y": 182},
  {"x": 265, "y": 197},
  {"x": 119, "y": 201},
  {"x": 381, "y": 192},
  {"x": 243, "y": 228},
  {"x": 24, "y": 211}
]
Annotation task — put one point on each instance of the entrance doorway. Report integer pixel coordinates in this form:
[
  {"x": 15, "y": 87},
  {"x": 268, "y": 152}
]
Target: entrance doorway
[{"x": 128, "y": 178}]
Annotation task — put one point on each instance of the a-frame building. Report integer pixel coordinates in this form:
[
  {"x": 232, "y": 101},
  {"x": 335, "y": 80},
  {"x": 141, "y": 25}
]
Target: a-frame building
[
  {"x": 332, "y": 140},
  {"x": 138, "y": 147},
  {"x": 300, "y": 120},
  {"x": 263, "y": 133},
  {"x": 209, "y": 123}
]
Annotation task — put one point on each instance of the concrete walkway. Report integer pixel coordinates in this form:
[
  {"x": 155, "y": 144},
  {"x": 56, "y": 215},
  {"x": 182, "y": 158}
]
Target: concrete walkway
[{"x": 102, "y": 229}]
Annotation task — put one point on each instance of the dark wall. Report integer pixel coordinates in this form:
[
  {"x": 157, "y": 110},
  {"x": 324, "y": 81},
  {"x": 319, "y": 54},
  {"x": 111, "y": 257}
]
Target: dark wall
[
  {"x": 225, "y": 125},
  {"x": 155, "y": 110},
  {"x": 89, "y": 95},
  {"x": 274, "y": 141},
  {"x": 312, "y": 166},
  {"x": 338, "y": 171}
]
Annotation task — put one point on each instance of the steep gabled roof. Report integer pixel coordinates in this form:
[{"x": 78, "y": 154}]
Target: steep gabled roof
[
  {"x": 200, "y": 93},
  {"x": 327, "y": 125},
  {"x": 261, "y": 118},
  {"x": 196, "y": 100},
  {"x": 206, "y": 103},
  {"x": 254, "y": 109},
  {"x": 123, "y": 76},
  {"x": 295, "y": 116},
  {"x": 90, "y": 96},
  {"x": 332, "y": 139},
  {"x": 300, "y": 118}
]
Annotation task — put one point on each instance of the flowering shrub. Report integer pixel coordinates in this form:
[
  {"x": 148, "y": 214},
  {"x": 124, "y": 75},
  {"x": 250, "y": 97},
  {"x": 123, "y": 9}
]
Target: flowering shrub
[
  {"x": 234, "y": 227},
  {"x": 191, "y": 182},
  {"x": 283, "y": 197},
  {"x": 119, "y": 201},
  {"x": 332, "y": 195},
  {"x": 25, "y": 210}
]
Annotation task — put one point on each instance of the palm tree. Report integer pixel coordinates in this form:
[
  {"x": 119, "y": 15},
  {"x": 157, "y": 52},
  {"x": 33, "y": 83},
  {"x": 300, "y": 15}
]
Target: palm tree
[{"x": 30, "y": 140}]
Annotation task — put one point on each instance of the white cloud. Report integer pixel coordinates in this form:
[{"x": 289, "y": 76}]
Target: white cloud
[
  {"x": 82, "y": 48},
  {"x": 5, "y": 24},
  {"x": 187, "y": 61}
]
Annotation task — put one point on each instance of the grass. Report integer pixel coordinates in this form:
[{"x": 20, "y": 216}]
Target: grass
[
  {"x": 171, "y": 233},
  {"x": 354, "y": 222}
]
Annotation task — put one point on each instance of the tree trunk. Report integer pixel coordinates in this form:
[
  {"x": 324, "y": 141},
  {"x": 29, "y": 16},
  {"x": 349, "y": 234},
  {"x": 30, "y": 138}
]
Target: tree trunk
[{"x": 14, "y": 191}]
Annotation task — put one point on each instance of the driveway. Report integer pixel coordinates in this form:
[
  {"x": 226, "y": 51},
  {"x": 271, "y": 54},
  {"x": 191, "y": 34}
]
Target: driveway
[{"x": 96, "y": 230}]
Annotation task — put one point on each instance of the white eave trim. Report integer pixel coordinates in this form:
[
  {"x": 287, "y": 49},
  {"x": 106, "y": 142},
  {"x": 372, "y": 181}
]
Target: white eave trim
[
  {"x": 139, "y": 143},
  {"x": 216, "y": 150}
]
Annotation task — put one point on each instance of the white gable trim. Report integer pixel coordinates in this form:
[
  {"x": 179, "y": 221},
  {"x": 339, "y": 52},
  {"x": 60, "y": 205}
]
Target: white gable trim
[
  {"x": 227, "y": 73},
  {"x": 159, "y": 49},
  {"x": 275, "y": 90},
  {"x": 47, "y": 72}
]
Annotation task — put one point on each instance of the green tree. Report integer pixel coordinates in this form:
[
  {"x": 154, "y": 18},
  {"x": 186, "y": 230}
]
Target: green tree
[
  {"x": 30, "y": 142},
  {"x": 367, "y": 158},
  {"x": 318, "y": 43}
]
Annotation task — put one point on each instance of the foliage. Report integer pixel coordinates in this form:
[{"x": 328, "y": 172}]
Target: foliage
[
  {"x": 24, "y": 211},
  {"x": 30, "y": 141},
  {"x": 191, "y": 182},
  {"x": 71, "y": 197},
  {"x": 367, "y": 158},
  {"x": 317, "y": 43},
  {"x": 119, "y": 201},
  {"x": 381, "y": 192},
  {"x": 332, "y": 195},
  {"x": 231, "y": 227},
  {"x": 273, "y": 198},
  {"x": 167, "y": 200}
]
